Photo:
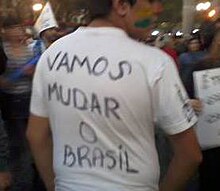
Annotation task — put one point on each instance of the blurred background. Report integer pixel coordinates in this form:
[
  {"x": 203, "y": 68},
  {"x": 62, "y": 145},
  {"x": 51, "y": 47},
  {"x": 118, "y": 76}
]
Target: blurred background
[{"x": 179, "y": 16}]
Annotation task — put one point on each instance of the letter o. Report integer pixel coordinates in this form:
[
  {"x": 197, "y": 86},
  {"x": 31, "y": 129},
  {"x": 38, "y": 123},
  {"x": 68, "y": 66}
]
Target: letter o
[
  {"x": 87, "y": 133},
  {"x": 98, "y": 65}
]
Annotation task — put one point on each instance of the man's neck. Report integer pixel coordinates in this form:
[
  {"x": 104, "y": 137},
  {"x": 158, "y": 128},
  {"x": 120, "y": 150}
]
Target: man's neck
[
  {"x": 101, "y": 23},
  {"x": 104, "y": 23}
]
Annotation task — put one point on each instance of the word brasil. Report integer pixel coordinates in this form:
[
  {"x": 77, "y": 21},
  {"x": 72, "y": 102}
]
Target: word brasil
[
  {"x": 90, "y": 154},
  {"x": 84, "y": 156}
]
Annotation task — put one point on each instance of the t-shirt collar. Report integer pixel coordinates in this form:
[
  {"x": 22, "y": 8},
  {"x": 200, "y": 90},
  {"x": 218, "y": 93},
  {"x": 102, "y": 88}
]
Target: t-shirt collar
[{"x": 103, "y": 31}]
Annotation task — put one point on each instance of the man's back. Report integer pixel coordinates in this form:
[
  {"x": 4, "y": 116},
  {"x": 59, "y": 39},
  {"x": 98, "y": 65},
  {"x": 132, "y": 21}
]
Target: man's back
[{"x": 99, "y": 95}]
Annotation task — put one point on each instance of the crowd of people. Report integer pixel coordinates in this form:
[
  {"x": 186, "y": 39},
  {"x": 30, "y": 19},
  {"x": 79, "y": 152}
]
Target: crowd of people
[
  {"x": 81, "y": 112},
  {"x": 201, "y": 53}
]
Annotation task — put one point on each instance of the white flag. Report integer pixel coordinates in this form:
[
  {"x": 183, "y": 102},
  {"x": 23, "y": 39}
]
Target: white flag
[{"x": 46, "y": 19}]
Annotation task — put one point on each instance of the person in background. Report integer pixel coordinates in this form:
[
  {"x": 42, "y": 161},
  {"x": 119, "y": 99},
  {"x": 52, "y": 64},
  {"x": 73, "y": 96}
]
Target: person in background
[
  {"x": 46, "y": 26},
  {"x": 210, "y": 167},
  {"x": 180, "y": 45},
  {"x": 49, "y": 36},
  {"x": 96, "y": 102},
  {"x": 5, "y": 175},
  {"x": 167, "y": 44},
  {"x": 15, "y": 99},
  {"x": 188, "y": 60}
]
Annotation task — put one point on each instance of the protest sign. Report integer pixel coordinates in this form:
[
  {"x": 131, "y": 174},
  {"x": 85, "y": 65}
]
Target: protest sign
[{"x": 207, "y": 88}]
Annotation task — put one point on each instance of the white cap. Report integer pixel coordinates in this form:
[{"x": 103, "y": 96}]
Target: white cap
[{"x": 46, "y": 20}]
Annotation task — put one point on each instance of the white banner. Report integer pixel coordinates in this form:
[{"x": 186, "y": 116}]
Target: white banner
[
  {"x": 46, "y": 19},
  {"x": 207, "y": 88}
]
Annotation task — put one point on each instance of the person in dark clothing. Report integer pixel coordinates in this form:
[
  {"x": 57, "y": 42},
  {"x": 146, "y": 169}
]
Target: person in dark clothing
[
  {"x": 5, "y": 176},
  {"x": 210, "y": 166},
  {"x": 187, "y": 62},
  {"x": 15, "y": 98}
]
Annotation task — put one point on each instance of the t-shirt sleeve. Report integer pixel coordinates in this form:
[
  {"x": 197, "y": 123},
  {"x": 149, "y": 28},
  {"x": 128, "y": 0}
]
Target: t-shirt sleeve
[
  {"x": 173, "y": 112},
  {"x": 39, "y": 104}
]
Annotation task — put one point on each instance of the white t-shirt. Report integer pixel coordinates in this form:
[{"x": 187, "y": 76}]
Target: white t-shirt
[{"x": 102, "y": 93}]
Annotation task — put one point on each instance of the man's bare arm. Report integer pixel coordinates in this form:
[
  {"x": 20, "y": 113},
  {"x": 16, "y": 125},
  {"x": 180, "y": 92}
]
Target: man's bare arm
[
  {"x": 186, "y": 159},
  {"x": 40, "y": 139}
]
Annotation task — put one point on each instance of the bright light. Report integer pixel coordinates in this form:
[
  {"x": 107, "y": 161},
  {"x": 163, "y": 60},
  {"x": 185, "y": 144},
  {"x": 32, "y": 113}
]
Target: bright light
[
  {"x": 195, "y": 31},
  {"x": 155, "y": 33},
  {"x": 206, "y": 5},
  {"x": 179, "y": 33},
  {"x": 37, "y": 7},
  {"x": 203, "y": 6},
  {"x": 199, "y": 7},
  {"x": 170, "y": 34},
  {"x": 212, "y": 13}
]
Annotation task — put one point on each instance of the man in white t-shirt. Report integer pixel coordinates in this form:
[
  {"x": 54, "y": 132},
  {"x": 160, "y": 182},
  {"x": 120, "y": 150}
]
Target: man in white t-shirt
[{"x": 97, "y": 95}]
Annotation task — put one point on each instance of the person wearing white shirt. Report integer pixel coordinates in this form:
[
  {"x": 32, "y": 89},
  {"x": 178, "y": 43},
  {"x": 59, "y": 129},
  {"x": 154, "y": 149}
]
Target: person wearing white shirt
[{"x": 97, "y": 95}]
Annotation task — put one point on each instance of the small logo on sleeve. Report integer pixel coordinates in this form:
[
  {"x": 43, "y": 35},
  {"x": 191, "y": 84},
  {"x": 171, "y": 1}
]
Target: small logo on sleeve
[{"x": 186, "y": 107}]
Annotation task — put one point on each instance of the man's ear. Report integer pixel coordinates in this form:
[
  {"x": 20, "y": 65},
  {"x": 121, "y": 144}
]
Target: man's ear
[{"x": 121, "y": 7}]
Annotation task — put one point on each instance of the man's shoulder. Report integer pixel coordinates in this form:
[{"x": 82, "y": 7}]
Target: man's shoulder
[
  {"x": 131, "y": 47},
  {"x": 145, "y": 50},
  {"x": 58, "y": 45},
  {"x": 150, "y": 57},
  {"x": 61, "y": 41}
]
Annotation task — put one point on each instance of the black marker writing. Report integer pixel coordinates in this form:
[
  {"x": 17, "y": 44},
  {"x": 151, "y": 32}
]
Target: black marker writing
[
  {"x": 87, "y": 157},
  {"x": 63, "y": 61},
  {"x": 213, "y": 118},
  {"x": 212, "y": 99},
  {"x": 75, "y": 97}
]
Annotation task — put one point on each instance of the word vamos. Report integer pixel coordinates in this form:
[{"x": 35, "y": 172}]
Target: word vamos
[{"x": 98, "y": 67}]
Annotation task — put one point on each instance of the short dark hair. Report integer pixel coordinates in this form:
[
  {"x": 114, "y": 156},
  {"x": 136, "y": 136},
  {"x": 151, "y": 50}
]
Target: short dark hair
[
  {"x": 100, "y": 8},
  {"x": 132, "y": 2}
]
